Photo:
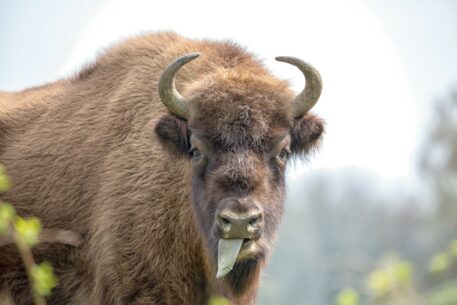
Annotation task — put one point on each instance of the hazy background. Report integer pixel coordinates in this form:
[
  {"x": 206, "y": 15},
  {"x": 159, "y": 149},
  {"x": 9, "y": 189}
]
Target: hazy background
[{"x": 381, "y": 193}]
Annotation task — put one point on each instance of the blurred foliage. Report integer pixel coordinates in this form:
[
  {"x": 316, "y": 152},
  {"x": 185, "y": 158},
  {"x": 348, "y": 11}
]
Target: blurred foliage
[
  {"x": 439, "y": 262},
  {"x": 347, "y": 297},
  {"x": 44, "y": 278},
  {"x": 5, "y": 183},
  {"x": 28, "y": 230},
  {"x": 392, "y": 283},
  {"x": 7, "y": 214},
  {"x": 394, "y": 275},
  {"x": 453, "y": 248},
  {"x": 446, "y": 295},
  {"x": 26, "y": 233},
  {"x": 218, "y": 300}
]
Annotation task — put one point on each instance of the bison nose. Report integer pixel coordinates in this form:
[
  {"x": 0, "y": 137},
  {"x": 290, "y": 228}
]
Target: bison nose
[{"x": 245, "y": 226}]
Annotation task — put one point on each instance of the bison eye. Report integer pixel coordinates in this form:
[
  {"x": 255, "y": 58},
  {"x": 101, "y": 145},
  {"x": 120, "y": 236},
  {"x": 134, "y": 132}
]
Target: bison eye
[
  {"x": 195, "y": 153},
  {"x": 284, "y": 155}
]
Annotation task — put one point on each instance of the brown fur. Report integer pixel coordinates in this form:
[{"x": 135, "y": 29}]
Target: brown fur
[{"x": 99, "y": 154}]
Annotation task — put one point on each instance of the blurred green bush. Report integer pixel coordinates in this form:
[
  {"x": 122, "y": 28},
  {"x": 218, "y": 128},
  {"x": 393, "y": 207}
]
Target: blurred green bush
[{"x": 25, "y": 232}]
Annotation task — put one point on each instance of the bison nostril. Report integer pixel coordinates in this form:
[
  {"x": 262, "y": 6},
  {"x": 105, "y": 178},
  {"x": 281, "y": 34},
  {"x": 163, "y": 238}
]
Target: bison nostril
[
  {"x": 225, "y": 221},
  {"x": 255, "y": 219}
]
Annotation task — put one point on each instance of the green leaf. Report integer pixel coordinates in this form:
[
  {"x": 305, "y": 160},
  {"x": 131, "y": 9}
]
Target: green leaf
[
  {"x": 28, "y": 230},
  {"x": 218, "y": 300},
  {"x": 5, "y": 183},
  {"x": 379, "y": 282},
  {"x": 403, "y": 272},
  {"x": 44, "y": 279},
  {"x": 347, "y": 297},
  {"x": 439, "y": 262},
  {"x": 7, "y": 214}
]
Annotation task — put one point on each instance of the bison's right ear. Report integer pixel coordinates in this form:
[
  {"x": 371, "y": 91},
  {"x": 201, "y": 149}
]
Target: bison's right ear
[{"x": 173, "y": 135}]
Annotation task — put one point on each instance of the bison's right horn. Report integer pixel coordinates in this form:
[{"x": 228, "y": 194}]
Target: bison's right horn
[
  {"x": 308, "y": 97},
  {"x": 171, "y": 98}
]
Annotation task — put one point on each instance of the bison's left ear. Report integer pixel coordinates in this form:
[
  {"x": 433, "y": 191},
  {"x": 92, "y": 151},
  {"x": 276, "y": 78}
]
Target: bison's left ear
[
  {"x": 305, "y": 134},
  {"x": 173, "y": 134}
]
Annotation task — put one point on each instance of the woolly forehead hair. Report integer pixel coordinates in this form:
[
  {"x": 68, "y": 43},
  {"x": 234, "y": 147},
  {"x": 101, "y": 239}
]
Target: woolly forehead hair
[{"x": 235, "y": 108}]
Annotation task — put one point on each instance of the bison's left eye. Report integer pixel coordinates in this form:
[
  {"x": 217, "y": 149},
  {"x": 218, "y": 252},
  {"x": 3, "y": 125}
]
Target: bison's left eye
[
  {"x": 284, "y": 155},
  {"x": 195, "y": 153}
]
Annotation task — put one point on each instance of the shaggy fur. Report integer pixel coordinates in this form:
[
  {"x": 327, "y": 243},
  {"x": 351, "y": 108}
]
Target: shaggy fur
[{"x": 98, "y": 154}]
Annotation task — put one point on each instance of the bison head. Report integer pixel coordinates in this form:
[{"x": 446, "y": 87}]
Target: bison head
[{"x": 239, "y": 126}]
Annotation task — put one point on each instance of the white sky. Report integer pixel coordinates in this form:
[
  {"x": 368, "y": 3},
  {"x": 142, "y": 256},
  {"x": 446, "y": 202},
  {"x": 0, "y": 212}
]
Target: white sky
[{"x": 377, "y": 58}]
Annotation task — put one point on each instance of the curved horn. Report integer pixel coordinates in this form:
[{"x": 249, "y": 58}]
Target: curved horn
[
  {"x": 308, "y": 97},
  {"x": 171, "y": 98}
]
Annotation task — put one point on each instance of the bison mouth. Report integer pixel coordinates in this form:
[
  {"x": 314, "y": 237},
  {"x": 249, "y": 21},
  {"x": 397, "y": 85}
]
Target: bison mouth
[{"x": 231, "y": 251}]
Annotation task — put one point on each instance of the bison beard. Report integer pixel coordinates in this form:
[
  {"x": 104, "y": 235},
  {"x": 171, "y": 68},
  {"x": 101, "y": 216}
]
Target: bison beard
[{"x": 152, "y": 178}]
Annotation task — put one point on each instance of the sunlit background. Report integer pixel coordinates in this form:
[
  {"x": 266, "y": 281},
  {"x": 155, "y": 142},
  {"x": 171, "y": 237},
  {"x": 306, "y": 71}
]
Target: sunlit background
[{"x": 373, "y": 214}]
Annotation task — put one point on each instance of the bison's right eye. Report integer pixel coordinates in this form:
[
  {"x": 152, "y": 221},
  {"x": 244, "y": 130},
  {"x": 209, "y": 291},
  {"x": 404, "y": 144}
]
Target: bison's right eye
[
  {"x": 284, "y": 154},
  {"x": 195, "y": 153}
]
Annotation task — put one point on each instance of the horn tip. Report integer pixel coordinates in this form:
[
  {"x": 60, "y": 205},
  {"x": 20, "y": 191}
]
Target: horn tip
[
  {"x": 185, "y": 59},
  {"x": 287, "y": 59},
  {"x": 194, "y": 55}
]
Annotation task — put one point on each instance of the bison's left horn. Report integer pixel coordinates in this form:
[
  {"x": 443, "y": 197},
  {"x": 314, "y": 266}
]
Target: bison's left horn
[
  {"x": 308, "y": 97},
  {"x": 174, "y": 101}
]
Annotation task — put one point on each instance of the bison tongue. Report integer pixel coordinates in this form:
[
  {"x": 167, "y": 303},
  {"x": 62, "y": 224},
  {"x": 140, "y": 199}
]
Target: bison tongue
[{"x": 227, "y": 252}]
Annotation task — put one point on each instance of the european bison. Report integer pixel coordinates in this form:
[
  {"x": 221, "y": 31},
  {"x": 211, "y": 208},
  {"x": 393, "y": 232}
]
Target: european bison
[{"x": 176, "y": 192}]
